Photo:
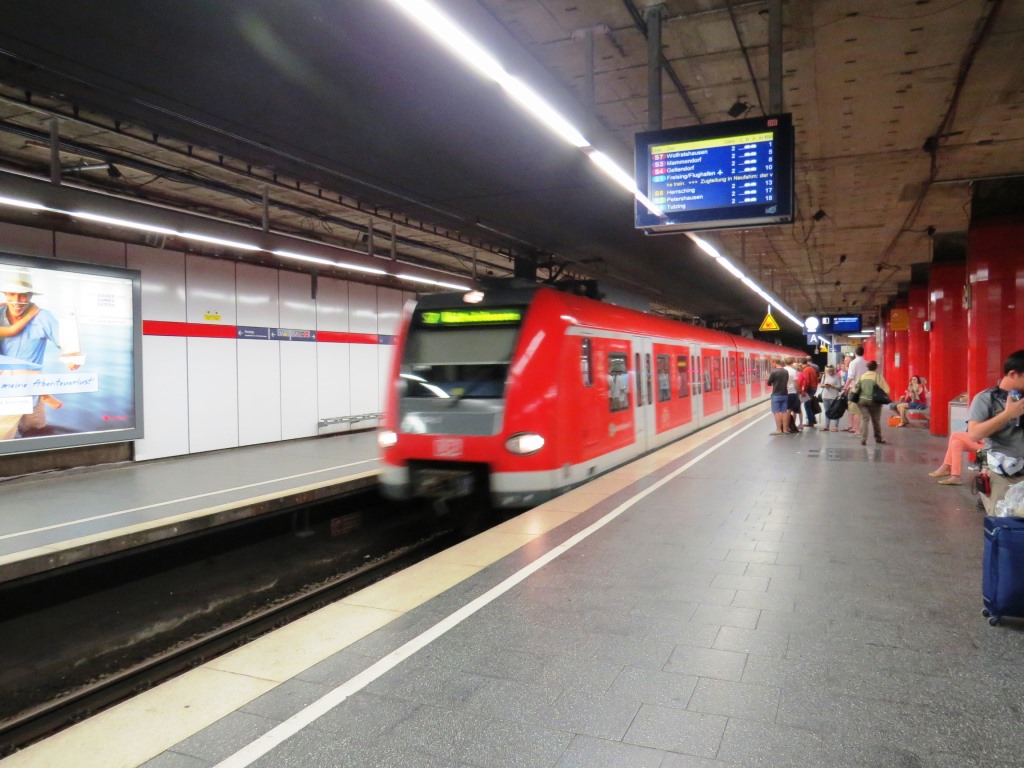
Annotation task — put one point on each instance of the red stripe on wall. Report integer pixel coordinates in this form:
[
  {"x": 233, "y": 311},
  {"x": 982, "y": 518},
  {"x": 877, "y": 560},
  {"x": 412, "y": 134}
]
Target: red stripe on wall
[
  {"x": 204, "y": 331},
  {"x": 339, "y": 337},
  {"x": 191, "y": 330}
]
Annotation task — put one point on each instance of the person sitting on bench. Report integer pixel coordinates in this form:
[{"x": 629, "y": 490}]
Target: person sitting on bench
[{"x": 914, "y": 399}]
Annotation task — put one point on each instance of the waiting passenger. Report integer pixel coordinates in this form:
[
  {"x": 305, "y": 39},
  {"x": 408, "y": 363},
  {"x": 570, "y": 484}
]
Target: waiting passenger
[
  {"x": 792, "y": 394},
  {"x": 831, "y": 385},
  {"x": 914, "y": 399},
  {"x": 949, "y": 472},
  {"x": 855, "y": 370},
  {"x": 995, "y": 417},
  {"x": 778, "y": 380},
  {"x": 866, "y": 386}
]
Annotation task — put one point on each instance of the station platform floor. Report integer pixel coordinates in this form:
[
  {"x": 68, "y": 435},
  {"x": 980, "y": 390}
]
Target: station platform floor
[
  {"x": 50, "y": 521},
  {"x": 735, "y": 599}
]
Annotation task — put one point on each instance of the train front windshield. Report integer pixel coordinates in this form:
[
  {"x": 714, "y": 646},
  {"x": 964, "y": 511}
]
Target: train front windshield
[{"x": 459, "y": 353}]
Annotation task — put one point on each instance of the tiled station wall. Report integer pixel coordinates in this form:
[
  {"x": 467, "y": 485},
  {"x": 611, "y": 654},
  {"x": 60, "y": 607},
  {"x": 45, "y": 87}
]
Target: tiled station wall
[{"x": 204, "y": 388}]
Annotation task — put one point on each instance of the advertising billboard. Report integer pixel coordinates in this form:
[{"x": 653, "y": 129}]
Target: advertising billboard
[{"x": 70, "y": 354}]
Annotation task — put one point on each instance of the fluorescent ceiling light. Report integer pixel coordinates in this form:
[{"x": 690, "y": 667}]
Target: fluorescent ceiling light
[
  {"x": 120, "y": 222},
  {"x": 301, "y": 257},
  {"x": 606, "y": 164},
  {"x": 220, "y": 241},
  {"x": 453, "y": 37},
  {"x": 704, "y": 245},
  {"x": 329, "y": 263},
  {"x": 22, "y": 204},
  {"x": 729, "y": 266},
  {"x": 543, "y": 111}
]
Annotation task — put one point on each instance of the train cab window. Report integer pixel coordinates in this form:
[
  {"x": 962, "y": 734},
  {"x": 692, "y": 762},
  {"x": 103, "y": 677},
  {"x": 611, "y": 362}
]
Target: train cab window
[
  {"x": 618, "y": 381},
  {"x": 586, "y": 362},
  {"x": 682, "y": 376},
  {"x": 456, "y": 354},
  {"x": 639, "y": 382},
  {"x": 664, "y": 380}
]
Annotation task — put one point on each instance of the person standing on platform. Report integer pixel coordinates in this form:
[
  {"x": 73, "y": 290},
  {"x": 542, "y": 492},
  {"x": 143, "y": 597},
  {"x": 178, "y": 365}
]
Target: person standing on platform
[
  {"x": 866, "y": 386},
  {"x": 808, "y": 385},
  {"x": 995, "y": 417},
  {"x": 777, "y": 380},
  {"x": 792, "y": 394},
  {"x": 858, "y": 367},
  {"x": 831, "y": 386}
]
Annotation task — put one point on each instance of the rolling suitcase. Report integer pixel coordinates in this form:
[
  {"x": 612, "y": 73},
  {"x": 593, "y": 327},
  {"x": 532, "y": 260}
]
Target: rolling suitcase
[{"x": 1002, "y": 578}]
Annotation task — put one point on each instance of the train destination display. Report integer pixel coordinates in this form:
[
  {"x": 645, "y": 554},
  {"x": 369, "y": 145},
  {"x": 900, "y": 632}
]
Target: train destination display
[{"x": 716, "y": 176}]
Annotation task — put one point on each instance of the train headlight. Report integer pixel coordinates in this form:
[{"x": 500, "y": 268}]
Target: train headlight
[
  {"x": 387, "y": 438},
  {"x": 524, "y": 443}
]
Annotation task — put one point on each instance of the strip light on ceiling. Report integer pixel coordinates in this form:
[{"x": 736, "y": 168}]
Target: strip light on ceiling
[
  {"x": 442, "y": 28},
  {"x": 711, "y": 251},
  {"x": 235, "y": 244}
]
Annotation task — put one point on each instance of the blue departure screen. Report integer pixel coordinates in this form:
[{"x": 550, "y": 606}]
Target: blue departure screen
[{"x": 714, "y": 173}]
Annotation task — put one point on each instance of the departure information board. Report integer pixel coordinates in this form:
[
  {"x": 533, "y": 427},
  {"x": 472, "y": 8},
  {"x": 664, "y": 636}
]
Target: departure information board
[
  {"x": 714, "y": 173},
  {"x": 716, "y": 176}
]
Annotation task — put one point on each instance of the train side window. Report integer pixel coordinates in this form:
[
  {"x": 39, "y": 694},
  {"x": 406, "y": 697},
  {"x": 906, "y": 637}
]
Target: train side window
[
  {"x": 639, "y": 381},
  {"x": 682, "y": 376},
  {"x": 618, "y": 381},
  {"x": 697, "y": 380},
  {"x": 586, "y": 362},
  {"x": 647, "y": 377},
  {"x": 664, "y": 379}
]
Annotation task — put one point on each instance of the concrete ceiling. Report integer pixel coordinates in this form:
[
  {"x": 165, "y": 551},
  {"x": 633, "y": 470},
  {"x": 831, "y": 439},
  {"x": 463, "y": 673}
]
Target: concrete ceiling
[{"x": 351, "y": 118}]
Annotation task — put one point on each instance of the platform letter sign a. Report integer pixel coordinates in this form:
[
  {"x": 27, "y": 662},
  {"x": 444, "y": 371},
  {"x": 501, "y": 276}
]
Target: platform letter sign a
[{"x": 769, "y": 324}]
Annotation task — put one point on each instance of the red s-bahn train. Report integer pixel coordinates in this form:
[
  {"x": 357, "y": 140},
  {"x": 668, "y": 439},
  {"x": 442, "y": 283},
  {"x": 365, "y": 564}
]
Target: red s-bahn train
[{"x": 525, "y": 392}]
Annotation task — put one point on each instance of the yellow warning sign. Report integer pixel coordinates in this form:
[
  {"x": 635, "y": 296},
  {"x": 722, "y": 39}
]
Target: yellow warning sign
[{"x": 769, "y": 323}]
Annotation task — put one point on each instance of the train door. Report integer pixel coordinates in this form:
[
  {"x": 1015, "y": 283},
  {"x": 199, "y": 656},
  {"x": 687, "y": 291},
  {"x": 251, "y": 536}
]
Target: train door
[
  {"x": 645, "y": 412},
  {"x": 739, "y": 365}
]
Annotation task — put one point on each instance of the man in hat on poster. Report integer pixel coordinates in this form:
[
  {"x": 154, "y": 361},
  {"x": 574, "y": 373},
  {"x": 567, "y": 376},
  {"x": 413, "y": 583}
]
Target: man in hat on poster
[{"x": 26, "y": 329}]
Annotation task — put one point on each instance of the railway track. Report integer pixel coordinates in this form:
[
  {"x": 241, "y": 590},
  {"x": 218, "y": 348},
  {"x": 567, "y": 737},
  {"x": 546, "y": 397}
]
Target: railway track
[{"x": 223, "y": 600}]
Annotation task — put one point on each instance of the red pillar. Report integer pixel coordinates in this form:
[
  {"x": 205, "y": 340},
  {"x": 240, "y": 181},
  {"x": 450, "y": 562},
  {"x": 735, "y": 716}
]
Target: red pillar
[
  {"x": 947, "y": 341},
  {"x": 917, "y": 336},
  {"x": 888, "y": 362},
  {"x": 995, "y": 319}
]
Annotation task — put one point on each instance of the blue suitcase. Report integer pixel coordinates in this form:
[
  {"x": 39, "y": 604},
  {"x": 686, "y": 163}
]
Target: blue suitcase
[{"x": 1002, "y": 579}]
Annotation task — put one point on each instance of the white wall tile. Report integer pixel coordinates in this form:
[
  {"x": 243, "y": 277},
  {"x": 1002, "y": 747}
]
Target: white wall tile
[
  {"x": 259, "y": 390},
  {"x": 257, "y": 296},
  {"x": 165, "y": 398},
  {"x": 362, "y": 307},
  {"x": 163, "y": 283},
  {"x": 332, "y": 305},
  {"x": 212, "y": 394},
  {"x": 210, "y": 290},
  {"x": 334, "y": 391},
  {"x": 298, "y": 310},
  {"x": 26, "y": 241},
  {"x": 91, "y": 250},
  {"x": 298, "y": 389}
]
